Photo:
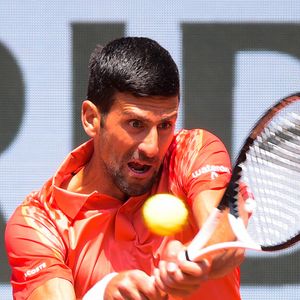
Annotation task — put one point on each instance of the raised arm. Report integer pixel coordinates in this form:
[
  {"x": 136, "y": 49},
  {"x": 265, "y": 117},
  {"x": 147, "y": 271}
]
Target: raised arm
[{"x": 225, "y": 261}]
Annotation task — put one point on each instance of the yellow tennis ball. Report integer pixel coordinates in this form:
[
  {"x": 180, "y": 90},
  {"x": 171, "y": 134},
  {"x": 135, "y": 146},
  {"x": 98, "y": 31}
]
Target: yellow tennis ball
[{"x": 165, "y": 214}]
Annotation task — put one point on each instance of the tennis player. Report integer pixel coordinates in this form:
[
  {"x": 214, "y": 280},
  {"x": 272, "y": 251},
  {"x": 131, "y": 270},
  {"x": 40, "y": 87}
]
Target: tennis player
[{"x": 81, "y": 236}]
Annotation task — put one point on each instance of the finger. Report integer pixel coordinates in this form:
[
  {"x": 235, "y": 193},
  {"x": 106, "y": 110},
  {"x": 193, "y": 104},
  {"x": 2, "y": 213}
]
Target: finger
[
  {"x": 240, "y": 255},
  {"x": 166, "y": 272},
  {"x": 236, "y": 258},
  {"x": 158, "y": 281},
  {"x": 159, "y": 285},
  {"x": 149, "y": 289},
  {"x": 163, "y": 286},
  {"x": 174, "y": 280},
  {"x": 133, "y": 295},
  {"x": 232, "y": 257},
  {"x": 199, "y": 269},
  {"x": 130, "y": 293},
  {"x": 178, "y": 290}
]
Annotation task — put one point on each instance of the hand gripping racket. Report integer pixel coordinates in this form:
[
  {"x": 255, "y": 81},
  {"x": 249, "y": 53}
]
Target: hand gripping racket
[{"x": 268, "y": 168}]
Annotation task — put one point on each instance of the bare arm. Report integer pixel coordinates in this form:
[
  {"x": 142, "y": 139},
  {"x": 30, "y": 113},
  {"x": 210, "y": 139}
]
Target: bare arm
[
  {"x": 226, "y": 260},
  {"x": 132, "y": 284},
  {"x": 54, "y": 289},
  {"x": 203, "y": 204}
]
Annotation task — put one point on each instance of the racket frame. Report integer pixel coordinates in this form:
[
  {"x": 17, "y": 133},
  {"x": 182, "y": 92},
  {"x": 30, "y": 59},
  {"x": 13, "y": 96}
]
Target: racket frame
[{"x": 195, "y": 249}]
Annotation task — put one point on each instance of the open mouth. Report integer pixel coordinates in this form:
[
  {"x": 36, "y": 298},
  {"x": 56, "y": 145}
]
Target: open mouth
[{"x": 138, "y": 168}]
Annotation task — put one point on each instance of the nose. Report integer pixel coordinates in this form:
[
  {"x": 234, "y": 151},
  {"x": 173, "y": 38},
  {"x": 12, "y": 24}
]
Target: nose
[{"x": 149, "y": 146}]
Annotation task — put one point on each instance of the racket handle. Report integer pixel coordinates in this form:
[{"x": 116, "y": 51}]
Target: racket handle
[
  {"x": 243, "y": 239},
  {"x": 224, "y": 246},
  {"x": 203, "y": 235}
]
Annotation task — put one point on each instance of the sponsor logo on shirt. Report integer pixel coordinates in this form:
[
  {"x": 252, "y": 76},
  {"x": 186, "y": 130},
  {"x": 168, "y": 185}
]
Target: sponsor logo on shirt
[
  {"x": 212, "y": 169},
  {"x": 32, "y": 272}
]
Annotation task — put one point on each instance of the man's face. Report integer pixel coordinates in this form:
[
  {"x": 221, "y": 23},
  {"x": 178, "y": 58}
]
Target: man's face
[{"x": 134, "y": 139}]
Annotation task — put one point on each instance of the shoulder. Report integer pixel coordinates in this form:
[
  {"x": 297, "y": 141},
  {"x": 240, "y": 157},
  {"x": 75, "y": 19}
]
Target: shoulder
[
  {"x": 195, "y": 140},
  {"x": 32, "y": 205},
  {"x": 191, "y": 154},
  {"x": 32, "y": 221}
]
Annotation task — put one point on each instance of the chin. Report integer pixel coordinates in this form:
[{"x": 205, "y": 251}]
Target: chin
[
  {"x": 136, "y": 189},
  {"x": 136, "y": 192}
]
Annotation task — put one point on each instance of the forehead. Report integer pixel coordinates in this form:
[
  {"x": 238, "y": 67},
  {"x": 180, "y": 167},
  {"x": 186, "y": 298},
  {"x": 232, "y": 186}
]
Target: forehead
[{"x": 127, "y": 103}]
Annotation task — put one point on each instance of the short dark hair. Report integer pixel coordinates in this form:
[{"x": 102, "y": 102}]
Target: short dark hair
[{"x": 136, "y": 65}]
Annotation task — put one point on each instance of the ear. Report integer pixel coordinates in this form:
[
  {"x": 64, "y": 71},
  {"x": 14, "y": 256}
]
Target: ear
[{"x": 90, "y": 118}]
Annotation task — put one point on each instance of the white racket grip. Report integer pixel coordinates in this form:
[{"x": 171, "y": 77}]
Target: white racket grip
[
  {"x": 204, "y": 234},
  {"x": 243, "y": 240},
  {"x": 222, "y": 246}
]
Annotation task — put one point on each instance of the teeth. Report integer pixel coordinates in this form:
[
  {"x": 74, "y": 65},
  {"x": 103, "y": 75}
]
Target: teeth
[
  {"x": 138, "y": 171},
  {"x": 138, "y": 168}
]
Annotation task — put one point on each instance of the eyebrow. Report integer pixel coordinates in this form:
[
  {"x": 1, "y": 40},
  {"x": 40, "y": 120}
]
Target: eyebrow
[{"x": 135, "y": 116}]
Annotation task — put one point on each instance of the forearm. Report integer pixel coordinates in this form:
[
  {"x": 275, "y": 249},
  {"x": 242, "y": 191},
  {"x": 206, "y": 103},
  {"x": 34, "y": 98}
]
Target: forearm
[
  {"x": 203, "y": 205},
  {"x": 54, "y": 289},
  {"x": 223, "y": 261}
]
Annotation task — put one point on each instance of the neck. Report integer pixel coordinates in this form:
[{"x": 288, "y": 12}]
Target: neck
[{"x": 86, "y": 181}]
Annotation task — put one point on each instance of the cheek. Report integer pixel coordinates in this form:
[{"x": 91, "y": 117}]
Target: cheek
[
  {"x": 165, "y": 144},
  {"x": 116, "y": 147},
  {"x": 106, "y": 146}
]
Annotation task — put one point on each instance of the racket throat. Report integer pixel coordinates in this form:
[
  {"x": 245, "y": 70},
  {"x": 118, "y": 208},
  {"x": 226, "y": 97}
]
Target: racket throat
[{"x": 240, "y": 231}]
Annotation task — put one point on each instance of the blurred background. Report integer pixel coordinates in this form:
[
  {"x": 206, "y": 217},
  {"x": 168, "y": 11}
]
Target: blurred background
[{"x": 236, "y": 58}]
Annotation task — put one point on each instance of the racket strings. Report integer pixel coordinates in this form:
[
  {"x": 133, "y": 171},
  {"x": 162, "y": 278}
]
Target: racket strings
[
  {"x": 281, "y": 144},
  {"x": 271, "y": 172}
]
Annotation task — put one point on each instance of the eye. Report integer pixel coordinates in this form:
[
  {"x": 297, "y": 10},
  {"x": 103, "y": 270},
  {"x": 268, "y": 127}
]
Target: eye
[
  {"x": 165, "y": 125},
  {"x": 136, "y": 124}
]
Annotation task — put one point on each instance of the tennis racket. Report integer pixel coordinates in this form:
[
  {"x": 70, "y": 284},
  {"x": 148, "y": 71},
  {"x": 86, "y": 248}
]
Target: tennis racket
[{"x": 267, "y": 170}]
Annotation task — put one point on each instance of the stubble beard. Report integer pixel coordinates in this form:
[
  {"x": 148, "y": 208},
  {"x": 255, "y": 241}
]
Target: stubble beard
[
  {"x": 126, "y": 187},
  {"x": 117, "y": 174}
]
